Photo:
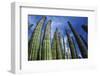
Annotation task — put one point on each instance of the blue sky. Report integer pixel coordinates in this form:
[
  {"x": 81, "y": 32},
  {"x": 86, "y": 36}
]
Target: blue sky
[{"x": 60, "y": 22}]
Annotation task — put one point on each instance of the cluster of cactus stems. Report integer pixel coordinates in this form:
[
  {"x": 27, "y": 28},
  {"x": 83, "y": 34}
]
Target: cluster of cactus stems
[
  {"x": 80, "y": 42},
  {"x": 40, "y": 47}
]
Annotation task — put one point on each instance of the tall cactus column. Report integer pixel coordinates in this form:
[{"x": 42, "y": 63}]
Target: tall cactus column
[
  {"x": 53, "y": 46},
  {"x": 46, "y": 48},
  {"x": 56, "y": 46},
  {"x": 59, "y": 46},
  {"x": 81, "y": 45},
  {"x": 71, "y": 45},
  {"x": 35, "y": 40}
]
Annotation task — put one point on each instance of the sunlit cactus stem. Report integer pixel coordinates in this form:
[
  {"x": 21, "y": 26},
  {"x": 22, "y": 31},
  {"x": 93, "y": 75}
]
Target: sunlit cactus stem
[
  {"x": 46, "y": 46},
  {"x": 35, "y": 40},
  {"x": 56, "y": 46}
]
